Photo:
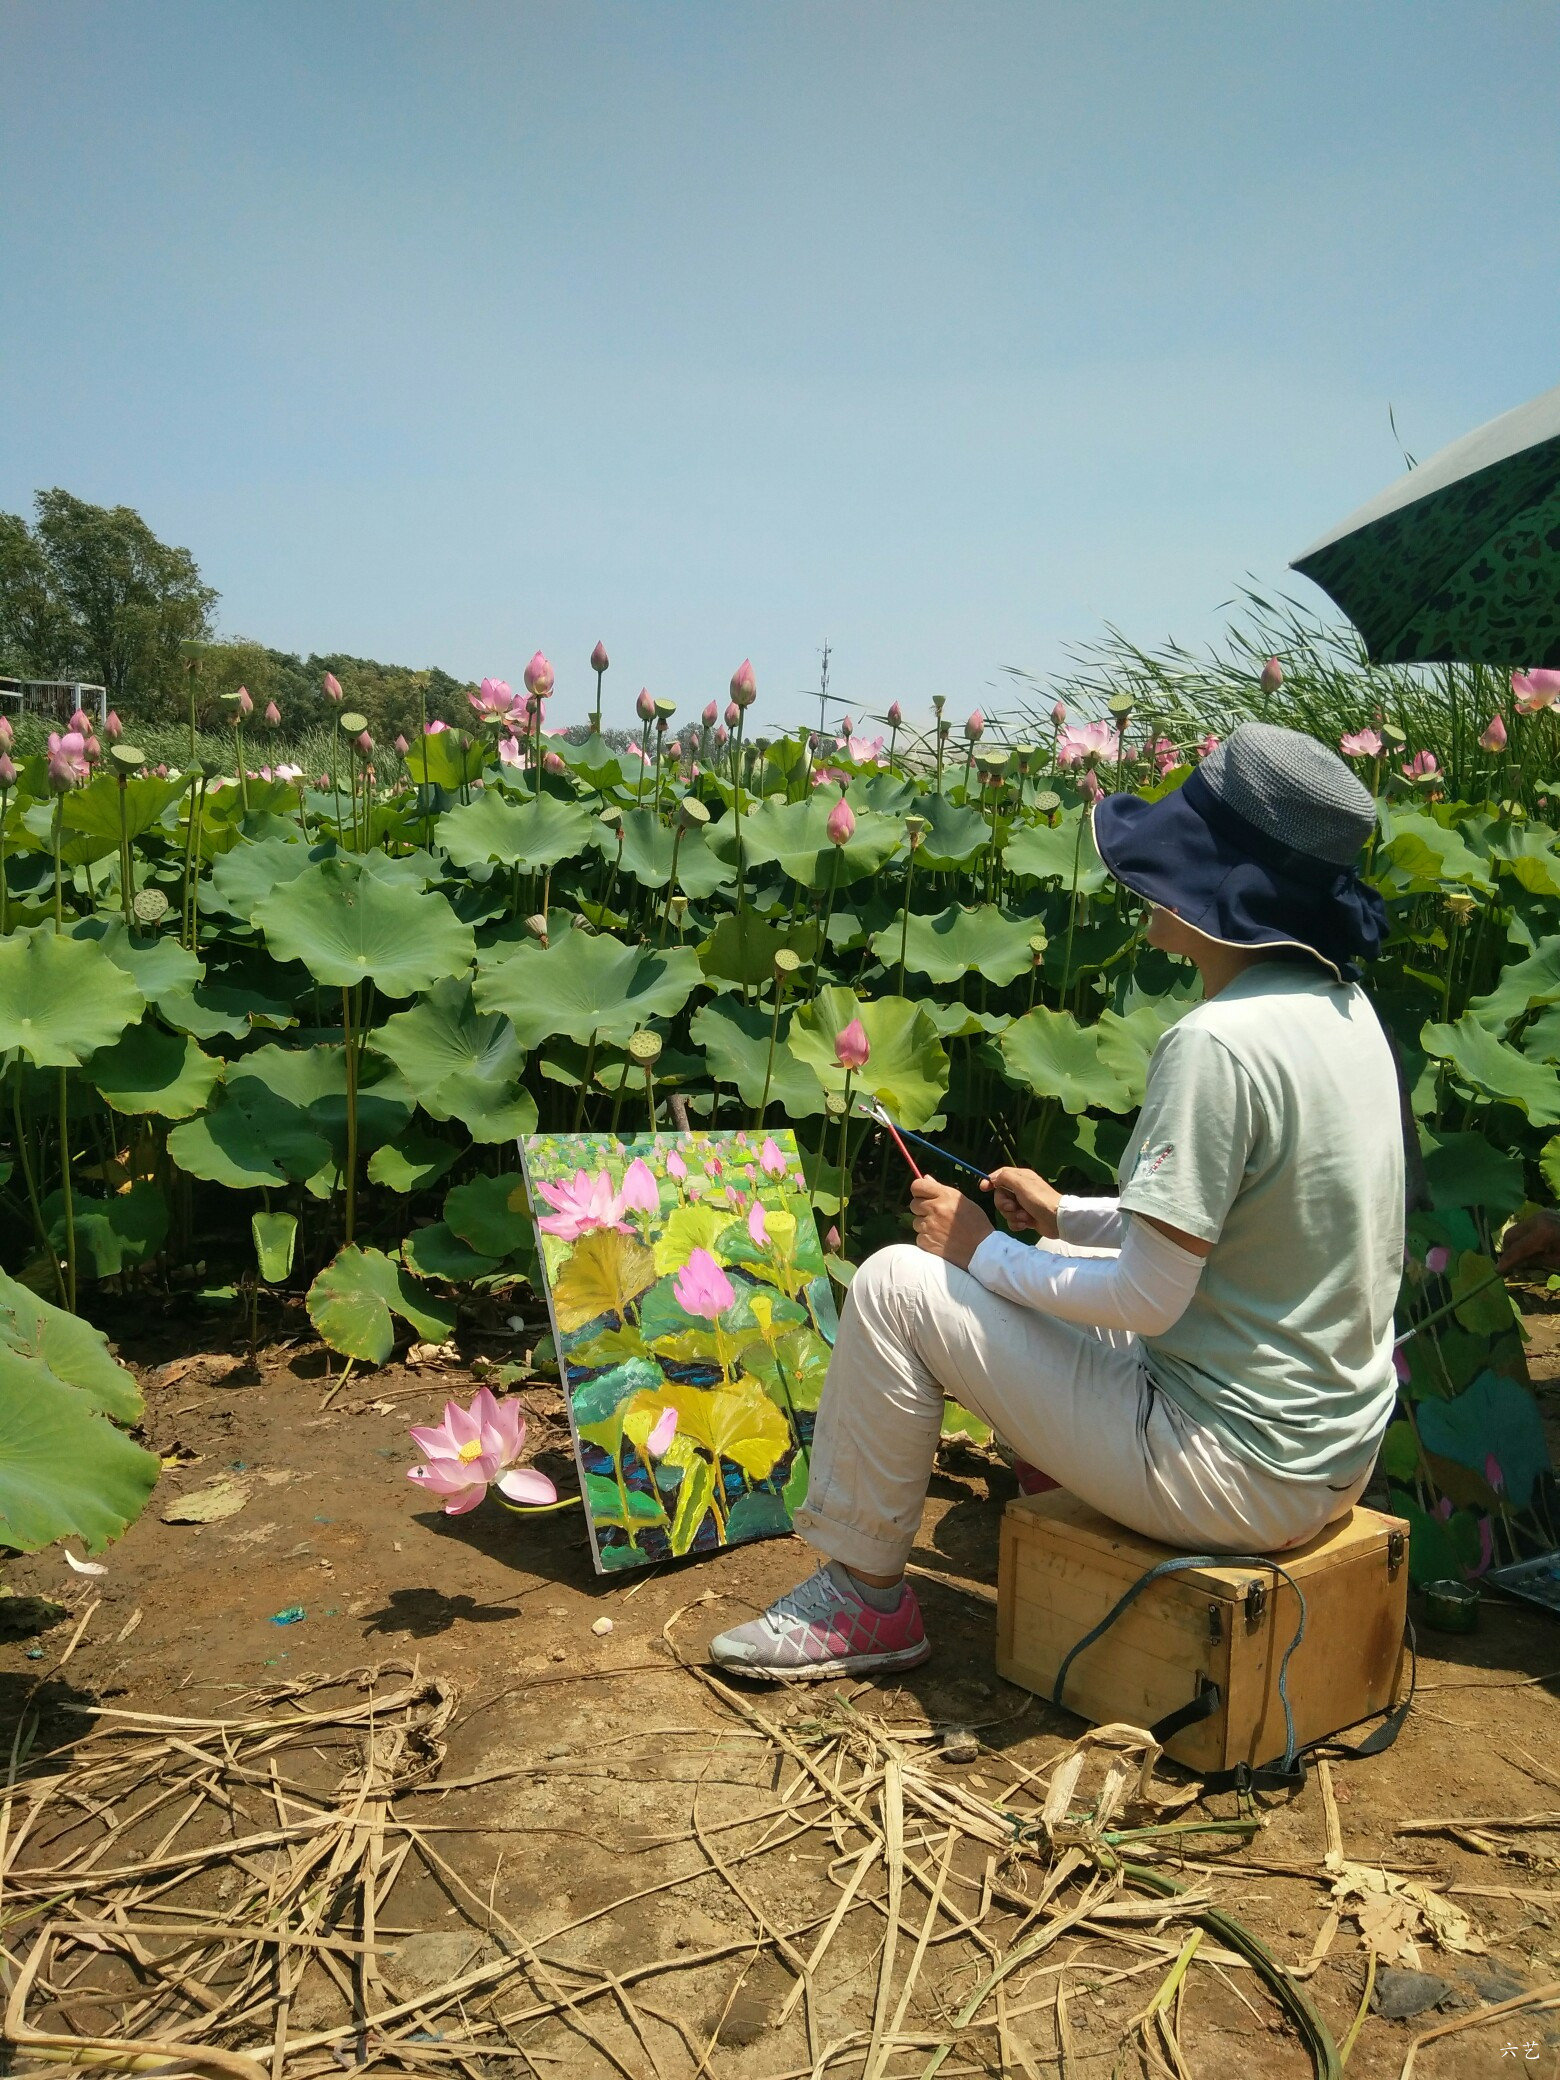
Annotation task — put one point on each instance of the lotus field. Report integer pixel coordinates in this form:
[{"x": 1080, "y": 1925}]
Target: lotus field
[{"x": 281, "y": 1032}]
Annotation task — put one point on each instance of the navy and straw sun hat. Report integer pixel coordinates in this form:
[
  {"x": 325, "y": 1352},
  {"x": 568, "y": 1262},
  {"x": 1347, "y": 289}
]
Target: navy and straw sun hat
[{"x": 1256, "y": 849}]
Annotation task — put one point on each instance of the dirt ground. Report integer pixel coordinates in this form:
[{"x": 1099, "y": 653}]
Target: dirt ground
[{"x": 609, "y": 1765}]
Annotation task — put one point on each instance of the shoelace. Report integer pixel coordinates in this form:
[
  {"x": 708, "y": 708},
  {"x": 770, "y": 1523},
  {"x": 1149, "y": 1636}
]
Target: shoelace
[{"x": 818, "y": 1597}]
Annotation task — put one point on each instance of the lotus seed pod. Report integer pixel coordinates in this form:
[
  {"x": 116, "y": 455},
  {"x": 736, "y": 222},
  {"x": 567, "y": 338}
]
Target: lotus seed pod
[
  {"x": 1048, "y": 803},
  {"x": 665, "y": 710},
  {"x": 917, "y": 826},
  {"x": 691, "y": 812},
  {"x": 787, "y": 962},
  {"x": 678, "y": 908},
  {"x": 939, "y": 702},
  {"x": 645, "y": 1047},
  {"x": 1393, "y": 735},
  {"x": 834, "y": 1104},
  {"x": 613, "y": 818},
  {"x": 1121, "y": 706},
  {"x": 1037, "y": 946},
  {"x": 128, "y": 757},
  {"x": 944, "y": 730},
  {"x": 150, "y": 905},
  {"x": 352, "y": 723},
  {"x": 1460, "y": 903},
  {"x": 536, "y": 925}
]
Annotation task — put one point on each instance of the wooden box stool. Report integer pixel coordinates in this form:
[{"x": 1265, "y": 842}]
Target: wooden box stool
[{"x": 1063, "y": 1567}]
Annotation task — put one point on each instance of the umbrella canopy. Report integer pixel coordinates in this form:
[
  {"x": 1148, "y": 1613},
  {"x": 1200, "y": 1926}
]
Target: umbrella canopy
[{"x": 1459, "y": 561}]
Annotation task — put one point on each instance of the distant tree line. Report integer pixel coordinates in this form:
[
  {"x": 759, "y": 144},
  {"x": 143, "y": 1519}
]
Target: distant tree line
[{"x": 90, "y": 593}]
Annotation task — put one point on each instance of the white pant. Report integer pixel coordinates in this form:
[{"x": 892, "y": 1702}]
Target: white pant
[{"x": 1077, "y": 1402}]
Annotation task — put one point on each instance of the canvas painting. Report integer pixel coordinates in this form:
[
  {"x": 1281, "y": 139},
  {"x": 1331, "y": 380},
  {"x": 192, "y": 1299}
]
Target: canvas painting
[{"x": 694, "y": 1319}]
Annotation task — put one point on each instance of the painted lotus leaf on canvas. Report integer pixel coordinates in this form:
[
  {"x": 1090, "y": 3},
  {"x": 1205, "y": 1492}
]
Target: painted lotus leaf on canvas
[{"x": 694, "y": 1321}]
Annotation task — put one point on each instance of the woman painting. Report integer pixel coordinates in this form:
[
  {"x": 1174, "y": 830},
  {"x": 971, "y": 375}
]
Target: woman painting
[{"x": 1206, "y": 1357}]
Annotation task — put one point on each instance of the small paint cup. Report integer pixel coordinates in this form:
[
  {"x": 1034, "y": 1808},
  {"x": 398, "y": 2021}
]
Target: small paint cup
[{"x": 1451, "y": 1606}]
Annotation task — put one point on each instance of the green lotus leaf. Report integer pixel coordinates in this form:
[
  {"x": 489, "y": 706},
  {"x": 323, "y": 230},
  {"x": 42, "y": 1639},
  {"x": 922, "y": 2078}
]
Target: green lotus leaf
[
  {"x": 957, "y": 1021},
  {"x": 1437, "y": 1551},
  {"x": 314, "y": 1079},
  {"x": 61, "y": 999},
  {"x": 1484, "y": 1304},
  {"x": 1492, "y": 1419},
  {"x": 735, "y": 1041},
  {"x": 907, "y": 1066},
  {"x": 249, "y": 1140},
  {"x": 462, "y": 1063},
  {"x": 1464, "y": 1170},
  {"x": 1421, "y": 854},
  {"x": 536, "y": 832},
  {"x": 647, "y": 855},
  {"x": 159, "y": 967},
  {"x": 1055, "y": 852},
  {"x": 582, "y": 985},
  {"x": 352, "y": 1300},
  {"x": 1049, "y": 1053},
  {"x": 1526, "y": 851},
  {"x": 412, "y": 1161},
  {"x": 94, "y": 809},
  {"x": 1399, "y": 1459},
  {"x": 893, "y": 794},
  {"x": 791, "y": 1370},
  {"x": 1524, "y": 986},
  {"x": 65, "y": 1471},
  {"x": 150, "y": 1070},
  {"x": 447, "y": 759},
  {"x": 244, "y": 877},
  {"x": 438, "y": 1252},
  {"x": 348, "y": 928},
  {"x": 112, "y": 1234},
  {"x": 71, "y": 1348},
  {"x": 758, "y": 1515},
  {"x": 276, "y": 1237},
  {"x": 214, "y": 1007},
  {"x": 742, "y": 949},
  {"x": 595, "y": 761},
  {"x": 794, "y": 836},
  {"x": 949, "y": 945},
  {"x": 492, "y": 1215},
  {"x": 1494, "y": 1069},
  {"x": 695, "y": 1492},
  {"x": 953, "y": 837}
]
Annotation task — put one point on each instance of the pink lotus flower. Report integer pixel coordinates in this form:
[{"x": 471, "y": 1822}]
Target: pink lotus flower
[
  {"x": 93, "y": 750},
  {"x": 553, "y": 763},
  {"x": 659, "y": 1442},
  {"x": 1538, "y": 689},
  {"x": 81, "y": 723},
  {"x": 674, "y": 749},
  {"x": 113, "y": 728},
  {"x": 1493, "y": 737},
  {"x": 841, "y": 825},
  {"x": 1361, "y": 743},
  {"x": 1400, "y": 1366},
  {"x": 852, "y": 1049},
  {"x": 771, "y": 1157},
  {"x": 676, "y": 1167},
  {"x": 702, "y": 1288},
  {"x": 472, "y": 1448},
  {"x": 1083, "y": 745},
  {"x": 1164, "y": 754},
  {"x": 714, "y": 1167},
  {"x": 68, "y": 766},
  {"x": 758, "y": 1232},
  {"x": 1271, "y": 677},
  {"x": 7, "y": 771},
  {"x": 640, "y": 1193},
  {"x": 272, "y": 717},
  {"x": 331, "y": 686},
  {"x": 580, "y": 1205},
  {"x": 1208, "y": 745},
  {"x": 863, "y": 751},
  {"x": 283, "y": 772},
  {"x": 1421, "y": 766},
  {"x": 7, "y": 734},
  {"x": 1493, "y": 1473},
  {"x": 539, "y": 677},
  {"x": 644, "y": 707},
  {"x": 896, "y": 715},
  {"x": 711, "y": 715},
  {"x": 975, "y": 728},
  {"x": 435, "y": 728},
  {"x": 1437, "y": 1257},
  {"x": 509, "y": 752},
  {"x": 599, "y": 659},
  {"x": 1089, "y": 787},
  {"x": 402, "y": 747},
  {"x": 243, "y": 703},
  {"x": 744, "y": 687},
  {"x": 493, "y": 701}
]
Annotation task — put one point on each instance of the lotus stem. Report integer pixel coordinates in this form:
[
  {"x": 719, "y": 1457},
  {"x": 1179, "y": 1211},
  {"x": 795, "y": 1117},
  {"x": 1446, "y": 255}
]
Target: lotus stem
[
  {"x": 352, "y": 1121},
  {"x": 5, "y": 804},
  {"x": 590, "y": 1070},
  {"x": 126, "y": 900},
  {"x": 59, "y": 837},
  {"x": 844, "y": 1152},
  {"x": 650, "y": 1095},
  {"x": 644, "y": 760},
  {"x": 24, "y": 1157},
  {"x": 769, "y": 1066},
  {"x": 1072, "y": 910},
  {"x": 66, "y": 1190},
  {"x": 904, "y": 924}
]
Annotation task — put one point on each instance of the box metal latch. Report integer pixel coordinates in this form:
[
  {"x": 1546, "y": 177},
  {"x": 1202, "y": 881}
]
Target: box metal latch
[
  {"x": 1256, "y": 1605},
  {"x": 1397, "y": 1545}
]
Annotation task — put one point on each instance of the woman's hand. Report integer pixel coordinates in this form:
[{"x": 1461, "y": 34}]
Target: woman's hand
[
  {"x": 1025, "y": 1200},
  {"x": 946, "y": 1223}
]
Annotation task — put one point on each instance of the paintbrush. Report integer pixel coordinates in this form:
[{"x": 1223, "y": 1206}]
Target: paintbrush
[{"x": 877, "y": 1113}]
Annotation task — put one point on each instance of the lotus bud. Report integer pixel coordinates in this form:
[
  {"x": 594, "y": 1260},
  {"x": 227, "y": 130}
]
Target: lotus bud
[
  {"x": 272, "y": 717},
  {"x": 1494, "y": 737},
  {"x": 841, "y": 825},
  {"x": 711, "y": 715},
  {"x": 243, "y": 703},
  {"x": 975, "y": 728},
  {"x": 113, "y": 728},
  {"x": 644, "y": 707},
  {"x": 598, "y": 658},
  {"x": 896, "y": 715},
  {"x": 744, "y": 687},
  {"x": 539, "y": 677},
  {"x": 1271, "y": 677},
  {"x": 365, "y": 743},
  {"x": 674, "y": 748},
  {"x": 537, "y": 927},
  {"x": 7, "y": 771},
  {"x": 92, "y": 751},
  {"x": 917, "y": 827},
  {"x": 81, "y": 723},
  {"x": 831, "y": 1241},
  {"x": 1059, "y": 713},
  {"x": 402, "y": 747},
  {"x": 722, "y": 737},
  {"x": 332, "y": 687},
  {"x": 733, "y": 714},
  {"x": 847, "y": 726},
  {"x": 553, "y": 763},
  {"x": 7, "y": 734},
  {"x": 852, "y": 1050}
]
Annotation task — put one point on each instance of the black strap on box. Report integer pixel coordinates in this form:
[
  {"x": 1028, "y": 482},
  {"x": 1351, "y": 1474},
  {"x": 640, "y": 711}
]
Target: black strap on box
[{"x": 1288, "y": 1773}]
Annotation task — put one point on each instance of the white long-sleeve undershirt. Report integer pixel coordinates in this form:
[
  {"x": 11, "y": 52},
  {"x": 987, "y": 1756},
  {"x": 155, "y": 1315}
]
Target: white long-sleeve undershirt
[
  {"x": 1144, "y": 1287},
  {"x": 1093, "y": 1223}
]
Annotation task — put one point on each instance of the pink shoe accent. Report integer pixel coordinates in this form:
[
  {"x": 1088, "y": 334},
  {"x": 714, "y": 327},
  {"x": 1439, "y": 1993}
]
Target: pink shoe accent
[{"x": 1031, "y": 1481}]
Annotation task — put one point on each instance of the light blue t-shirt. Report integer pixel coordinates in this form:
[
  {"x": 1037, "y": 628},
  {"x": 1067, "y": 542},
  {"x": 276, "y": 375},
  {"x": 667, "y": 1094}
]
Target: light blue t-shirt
[{"x": 1271, "y": 1127}]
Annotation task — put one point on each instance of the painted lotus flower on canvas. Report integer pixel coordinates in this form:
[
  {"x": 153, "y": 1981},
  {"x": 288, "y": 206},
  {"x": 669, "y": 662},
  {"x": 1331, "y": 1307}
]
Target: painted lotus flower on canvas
[{"x": 693, "y": 1318}]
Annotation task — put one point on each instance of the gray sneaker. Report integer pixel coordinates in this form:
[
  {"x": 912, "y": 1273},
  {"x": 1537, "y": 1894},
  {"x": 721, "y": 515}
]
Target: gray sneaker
[{"x": 823, "y": 1628}]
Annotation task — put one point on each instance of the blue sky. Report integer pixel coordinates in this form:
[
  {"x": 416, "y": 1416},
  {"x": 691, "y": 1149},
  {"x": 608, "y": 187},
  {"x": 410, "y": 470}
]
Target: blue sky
[{"x": 947, "y": 333}]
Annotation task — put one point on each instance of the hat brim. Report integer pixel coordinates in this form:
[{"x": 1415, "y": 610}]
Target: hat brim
[{"x": 1170, "y": 854}]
